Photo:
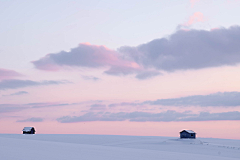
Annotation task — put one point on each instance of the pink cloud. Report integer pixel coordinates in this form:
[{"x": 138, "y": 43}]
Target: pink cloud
[
  {"x": 86, "y": 43},
  {"x": 8, "y": 74},
  {"x": 216, "y": 28},
  {"x": 196, "y": 17},
  {"x": 193, "y": 2}
]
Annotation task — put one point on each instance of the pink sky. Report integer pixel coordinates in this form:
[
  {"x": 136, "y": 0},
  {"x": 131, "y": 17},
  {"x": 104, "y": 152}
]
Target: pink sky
[
  {"x": 78, "y": 94},
  {"x": 186, "y": 79},
  {"x": 210, "y": 129},
  {"x": 196, "y": 17}
]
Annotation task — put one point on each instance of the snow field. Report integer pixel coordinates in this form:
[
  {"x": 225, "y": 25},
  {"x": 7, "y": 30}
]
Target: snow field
[{"x": 104, "y": 147}]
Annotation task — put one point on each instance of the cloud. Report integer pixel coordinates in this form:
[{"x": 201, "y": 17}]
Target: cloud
[
  {"x": 33, "y": 119},
  {"x": 122, "y": 70},
  {"x": 91, "y": 78},
  {"x": 123, "y": 104},
  {"x": 4, "y": 108},
  {"x": 17, "y": 93},
  {"x": 8, "y": 74},
  {"x": 90, "y": 56},
  {"x": 225, "y": 99},
  {"x": 98, "y": 107},
  {"x": 44, "y": 105},
  {"x": 206, "y": 116},
  {"x": 85, "y": 55},
  {"x": 196, "y": 17},
  {"x": 14, "y": 83},
  {"x": 147, "y": 74},
  {"x": 193, "y": 2},
  {"x": 167, "y": 116},
  {"x": 219, "y": 99},
  {"x": 184, "y": 50}
]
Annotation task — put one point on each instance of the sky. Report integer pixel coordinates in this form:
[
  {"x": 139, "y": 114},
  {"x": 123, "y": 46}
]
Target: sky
[{"x": 145, "y": 68}]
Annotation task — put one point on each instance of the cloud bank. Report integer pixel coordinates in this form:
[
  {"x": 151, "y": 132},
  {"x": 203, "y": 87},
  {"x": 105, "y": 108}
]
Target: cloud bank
[
  {"x": 219, "y": 99},
  {"x": 225, "y": 99},
  {"x": 14, "y": 83},
  {"x": 17, "y": 93},
  {"x": 182, "y": 50},
  {"x": 167, "y": 116},
  {"x": 46, "y": 105}
]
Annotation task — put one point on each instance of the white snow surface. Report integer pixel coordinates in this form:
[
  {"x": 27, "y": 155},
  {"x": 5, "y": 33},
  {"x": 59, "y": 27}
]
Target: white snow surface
[
  {"x": 107, "y": 147},
  {"x": 27, "y": 128},
  {"x": 189, "y": 131}
]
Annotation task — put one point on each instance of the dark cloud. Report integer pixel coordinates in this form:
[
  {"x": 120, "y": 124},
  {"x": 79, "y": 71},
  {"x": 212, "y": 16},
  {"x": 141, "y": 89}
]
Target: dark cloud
[
  {"x": 33, "y": 119},
  {"x": 193, "y": 49},
  {"x": 4, "y": 108},
  {"x": 6, "y": 74},
  {"x": 14, "y": 83},
  {"x": 17, "y": 93},
  {"x": 167, "y": 116},
  {"x": 217, "y": 99}
]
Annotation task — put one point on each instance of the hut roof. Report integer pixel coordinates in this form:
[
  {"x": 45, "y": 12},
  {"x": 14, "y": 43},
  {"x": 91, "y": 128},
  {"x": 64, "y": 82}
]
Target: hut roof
[
  {"x": 26, "y": 129},
  {"x": 189, "y": 131}
]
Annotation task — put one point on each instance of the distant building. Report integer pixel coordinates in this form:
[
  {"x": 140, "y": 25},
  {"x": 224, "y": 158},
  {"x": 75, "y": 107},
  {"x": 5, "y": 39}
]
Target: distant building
[
  {"x": 187, "y": 134},
  {"x": 28, "y": 130}
]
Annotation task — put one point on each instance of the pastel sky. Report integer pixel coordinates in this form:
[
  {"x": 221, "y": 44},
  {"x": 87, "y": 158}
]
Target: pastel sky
[{"x": 129, "y": 67}]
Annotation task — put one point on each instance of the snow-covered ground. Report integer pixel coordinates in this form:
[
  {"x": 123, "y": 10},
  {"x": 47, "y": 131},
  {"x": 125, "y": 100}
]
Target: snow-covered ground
[{"x": 106, "y": 147}]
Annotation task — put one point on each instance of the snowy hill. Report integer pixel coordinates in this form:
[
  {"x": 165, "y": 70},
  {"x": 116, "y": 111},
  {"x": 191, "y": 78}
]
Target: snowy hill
[{"x": 107, "y": 147}]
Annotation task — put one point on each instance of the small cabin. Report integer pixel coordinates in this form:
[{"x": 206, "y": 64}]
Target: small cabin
[
  {"x": 188, "y": 134},
  {"x": 28, "y": 130}
]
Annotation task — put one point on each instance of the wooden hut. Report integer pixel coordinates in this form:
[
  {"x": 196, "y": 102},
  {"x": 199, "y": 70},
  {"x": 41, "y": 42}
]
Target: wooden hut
[
  {"x": 188, "y": 134},
  {"x": 28, "y": 130}
]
